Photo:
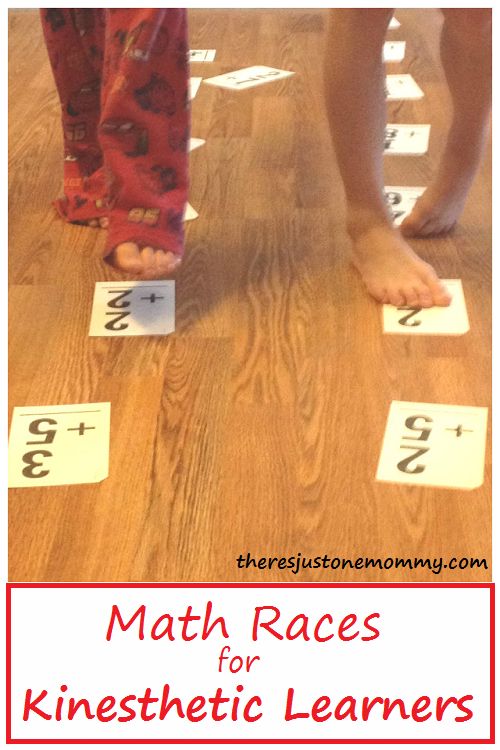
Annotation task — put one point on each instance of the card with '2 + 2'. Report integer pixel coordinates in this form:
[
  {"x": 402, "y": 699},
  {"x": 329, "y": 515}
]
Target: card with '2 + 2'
[
  {"x": 62, "y": 444},
  {"x": 437, "y": 445},
  {"x": 133, "y": 308}
]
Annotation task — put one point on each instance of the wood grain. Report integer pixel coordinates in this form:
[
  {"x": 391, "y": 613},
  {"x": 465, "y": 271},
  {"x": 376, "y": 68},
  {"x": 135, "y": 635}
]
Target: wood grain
[{"x": 257, "y": 426}]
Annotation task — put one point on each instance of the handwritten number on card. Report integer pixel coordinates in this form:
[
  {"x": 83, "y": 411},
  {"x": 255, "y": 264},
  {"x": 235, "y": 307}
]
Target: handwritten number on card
[
  {"x": 404, "y": 464},
  {"x": 112, "y": 325},
  {"x": 396, "y": 215},
  {"x": 118, "y": 301},
  {"x": 390, "y": 134},
  {"x": 411, "y": 423},
  {"x": 416, "y": 423},
  {"x": 29, "y": 459},
  {"x": 259, "y": 76},
  {"x": 404, "y": 321},
  {"x": 34, "y": 428}
]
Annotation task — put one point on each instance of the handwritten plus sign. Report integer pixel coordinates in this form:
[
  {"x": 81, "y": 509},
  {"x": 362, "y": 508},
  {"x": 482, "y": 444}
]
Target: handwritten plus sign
[
  {"x": 459, "y": 430},
  {"x": 81, "y": 428}
]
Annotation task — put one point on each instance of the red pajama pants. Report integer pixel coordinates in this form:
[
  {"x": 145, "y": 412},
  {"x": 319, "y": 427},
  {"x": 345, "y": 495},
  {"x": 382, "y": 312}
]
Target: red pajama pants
[{"x": 123, "y": 81}]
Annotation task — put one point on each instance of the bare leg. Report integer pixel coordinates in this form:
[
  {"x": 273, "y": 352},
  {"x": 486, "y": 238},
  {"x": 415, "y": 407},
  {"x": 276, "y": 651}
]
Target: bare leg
[
  {"x": 355, "y": 96},
  {"x": 466, "y": 58}
]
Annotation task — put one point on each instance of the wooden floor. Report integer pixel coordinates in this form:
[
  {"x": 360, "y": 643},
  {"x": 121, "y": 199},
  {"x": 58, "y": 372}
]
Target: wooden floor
[{"x": 256, "y": 427}]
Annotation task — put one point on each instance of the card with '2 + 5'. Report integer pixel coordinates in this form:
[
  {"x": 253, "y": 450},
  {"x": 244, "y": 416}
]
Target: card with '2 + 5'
[{"x": 438, "y": 445}]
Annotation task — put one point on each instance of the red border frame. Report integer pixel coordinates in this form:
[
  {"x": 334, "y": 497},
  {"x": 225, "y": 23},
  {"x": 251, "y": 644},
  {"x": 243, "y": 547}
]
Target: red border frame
[{"x": 489, "y": 741}]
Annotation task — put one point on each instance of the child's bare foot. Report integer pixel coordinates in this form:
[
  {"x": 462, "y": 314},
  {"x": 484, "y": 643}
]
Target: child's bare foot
[
  {"x": 438, "y": 209},
  {"x": 102, "y": 222},
  {"x": 393, "y": 273},
  {"x": 84, "y": 201},
  {"x": 143, "y": 263}
]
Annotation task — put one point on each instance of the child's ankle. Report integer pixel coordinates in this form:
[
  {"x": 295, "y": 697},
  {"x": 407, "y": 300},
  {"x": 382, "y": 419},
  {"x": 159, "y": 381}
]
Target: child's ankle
[{"x": 361, "y": 221}]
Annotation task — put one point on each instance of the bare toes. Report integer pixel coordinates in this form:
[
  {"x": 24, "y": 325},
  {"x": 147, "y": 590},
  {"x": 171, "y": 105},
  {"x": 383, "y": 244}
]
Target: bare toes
[
  {"x": 379, "y": 293},
  {"x": 443, "y": 298},
  {"x": 431, "y": 226},
  {"x": 430, "y": 229},
  {"x": 424, "y": 298},
  {"x": 143, "y": 263},
  {"x": 173, "y": 261},
  {"x": 102, "y": 222},
  {"x": 439, "y": 293},
  {"x": 440, "y": 230},
  {"x": 412, "y": 298},
  {"x": 126, "y": 257},
  {"x": 158, "y": 263},
  {"x": 396, "y": 298},
  {"x": 148, "y": 260},
  {"x": 411, "y": 226},
  {"x": 164, "y": 262},
  {"x": 161, "y": 263}
]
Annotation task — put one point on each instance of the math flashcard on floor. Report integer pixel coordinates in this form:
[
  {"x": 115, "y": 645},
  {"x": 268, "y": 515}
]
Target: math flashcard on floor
[
  {"x": 195, "y": 143},
  {"x": 394, "y": 52},
  {"x": 402, "y": 86},
  {"x": 433, "y": 321},
  {"x": 54, "y": 445},
  {"x": 194, "y": 85},
  {"x": 401, "y": 200},
  {"x": 248, "y": 77},
  {"x": 406, "y": 140},
  {"x": 436, "y": 445},
  {"x": 190, "y": 213},
  {"x": 133, "y": 308},
  {"x": 394, "y": 23},
  {"x": 201, "y": 55}
]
